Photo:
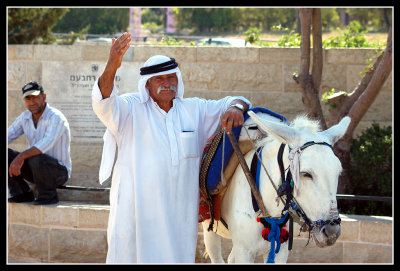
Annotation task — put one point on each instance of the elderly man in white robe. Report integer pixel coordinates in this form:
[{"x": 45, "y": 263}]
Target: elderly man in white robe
[{"x": 160, "y": 135}]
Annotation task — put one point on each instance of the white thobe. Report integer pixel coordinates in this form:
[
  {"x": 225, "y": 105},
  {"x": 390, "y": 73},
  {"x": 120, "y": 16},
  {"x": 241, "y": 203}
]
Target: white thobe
[{"x": 154, "y": 194}]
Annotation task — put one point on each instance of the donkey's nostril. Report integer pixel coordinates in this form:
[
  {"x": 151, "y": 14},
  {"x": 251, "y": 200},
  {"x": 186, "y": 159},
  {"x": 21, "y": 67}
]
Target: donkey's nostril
[{"x": 324, "y": 231}]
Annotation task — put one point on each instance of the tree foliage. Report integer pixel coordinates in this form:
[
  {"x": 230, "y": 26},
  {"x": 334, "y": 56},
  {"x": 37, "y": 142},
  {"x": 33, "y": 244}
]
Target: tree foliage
[
  {"x": 212, "y": 20},
  {"x": 32, "y": 25},
  {"x": 100, "y": 20}
]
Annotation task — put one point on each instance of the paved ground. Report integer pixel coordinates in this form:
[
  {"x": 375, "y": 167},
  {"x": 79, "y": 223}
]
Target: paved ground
[{"x": 16, "y": 261}]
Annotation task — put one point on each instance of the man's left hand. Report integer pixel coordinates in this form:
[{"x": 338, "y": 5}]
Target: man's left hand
[{"x": 15, "y": 166}]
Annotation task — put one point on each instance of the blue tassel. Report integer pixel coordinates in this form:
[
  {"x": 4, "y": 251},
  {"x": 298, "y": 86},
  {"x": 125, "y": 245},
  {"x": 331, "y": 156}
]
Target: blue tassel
[{"x": 274, "y": 236}]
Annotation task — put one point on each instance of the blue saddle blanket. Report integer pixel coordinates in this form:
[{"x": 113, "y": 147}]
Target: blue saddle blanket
[{"x": 213, "y": 176}]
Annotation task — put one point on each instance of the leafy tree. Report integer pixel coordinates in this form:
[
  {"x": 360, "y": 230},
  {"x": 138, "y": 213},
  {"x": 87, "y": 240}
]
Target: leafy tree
[
  {"x": 354, "y": 104},
  {"x": 32, "y": 25},
  {"x": 353, "y": 37},
  {"x": 330, "y": 18},
  {"x": 101, "y": 20},
  {"x": 152, "y": 15}
]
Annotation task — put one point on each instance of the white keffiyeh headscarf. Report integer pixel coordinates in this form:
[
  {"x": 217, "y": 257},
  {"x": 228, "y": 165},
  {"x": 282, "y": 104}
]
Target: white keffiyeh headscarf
[{"x": 155, "y": 60}]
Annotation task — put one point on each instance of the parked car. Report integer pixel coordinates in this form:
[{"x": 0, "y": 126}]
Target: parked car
[
  {"x": 100, "y": 39},
  {"x": 223, "y": 41}
]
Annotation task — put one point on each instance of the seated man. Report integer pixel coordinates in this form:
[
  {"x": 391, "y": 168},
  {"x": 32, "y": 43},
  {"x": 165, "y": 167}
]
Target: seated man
[{"x": 46, "y": 162}]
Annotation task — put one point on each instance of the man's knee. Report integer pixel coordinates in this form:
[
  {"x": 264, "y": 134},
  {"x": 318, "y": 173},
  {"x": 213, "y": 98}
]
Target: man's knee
[
  {"x": 11, "y": 155},
  {"x": 35, "y": 162}
]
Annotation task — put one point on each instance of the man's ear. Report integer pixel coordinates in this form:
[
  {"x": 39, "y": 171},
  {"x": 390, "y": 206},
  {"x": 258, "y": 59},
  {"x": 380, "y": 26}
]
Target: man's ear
[{"x": 147, "y": 84}]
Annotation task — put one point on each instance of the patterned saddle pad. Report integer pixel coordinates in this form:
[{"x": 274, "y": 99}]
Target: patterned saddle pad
[{"x": 211, "y": 163}]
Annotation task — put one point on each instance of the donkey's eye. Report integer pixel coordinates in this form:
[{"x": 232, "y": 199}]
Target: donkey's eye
[{"x": 306, "y": 175}]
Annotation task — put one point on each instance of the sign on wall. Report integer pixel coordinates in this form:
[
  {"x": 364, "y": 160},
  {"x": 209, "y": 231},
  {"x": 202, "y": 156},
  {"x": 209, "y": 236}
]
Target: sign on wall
[{"x": 69, "y": 87}]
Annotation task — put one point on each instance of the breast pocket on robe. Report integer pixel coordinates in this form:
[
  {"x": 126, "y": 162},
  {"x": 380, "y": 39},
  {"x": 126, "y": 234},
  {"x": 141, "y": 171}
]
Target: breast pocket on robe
[{"x": 189, "y": 144}]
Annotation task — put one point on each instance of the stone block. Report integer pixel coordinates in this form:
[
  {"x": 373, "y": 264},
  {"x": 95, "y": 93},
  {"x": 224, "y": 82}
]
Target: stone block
[
  {"x": 34, "y": 73},
  {"x": 84, "y": 156},
  {"x": 28, "y": 242},
  {"x": 301, "y": 253},
  {"x": 278, "y": 102},
  {"x": 388, "y": 85},
  {"x": 199, "y": 74},
  {"x": 24, "y": 213},
  {"x": 257, "y": 77},
  {"x": 367, "y": 253},
  {"x": 354, "y": 74},
  {"x": 20, "y": 51},
  {"x": 16, "y": 105},
  {"x": 96, "y": 52},
  {"x": 96, "y": 197},
  {"x": 348, "y": 55},
  {"x": 374, "y": 232},
  {"x": 93, "y": 218},
  {"x": 282, "y": 56},
  {"x": 350, "y": 231},
  {"x": 77, "y": 246},
  {"x": 16, "y": 75},
  {"x": 380, "y": 110},
  {"x": 180, "y": 53},
  {"x": 228, "y": 55},
  {"x": 59, "y": 216},
  {"x": 57, "y": 52},
  {"x": 289, "y": 85},
  {"x": 333, "y": 76}
]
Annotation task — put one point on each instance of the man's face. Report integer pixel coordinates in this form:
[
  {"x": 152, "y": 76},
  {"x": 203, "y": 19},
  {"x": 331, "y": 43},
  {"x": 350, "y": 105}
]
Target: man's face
[
  {"x": 160, "y": 87},
  {"x": 35, "y": 104}
]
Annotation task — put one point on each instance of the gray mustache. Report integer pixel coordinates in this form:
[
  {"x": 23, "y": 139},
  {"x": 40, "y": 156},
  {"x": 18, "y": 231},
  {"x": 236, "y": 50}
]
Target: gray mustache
[{"x": 171, "y": 87}]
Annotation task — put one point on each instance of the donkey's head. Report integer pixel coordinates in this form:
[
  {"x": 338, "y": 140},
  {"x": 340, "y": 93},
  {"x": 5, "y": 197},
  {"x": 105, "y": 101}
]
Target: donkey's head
[{"x": 315, "y": 170}]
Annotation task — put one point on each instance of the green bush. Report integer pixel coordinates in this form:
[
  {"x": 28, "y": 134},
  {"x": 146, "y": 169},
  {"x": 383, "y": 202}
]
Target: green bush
[
  {"x": 252, "y": 35},
  {"x": 371, "y": 170},
  {"x": 353, "y": 37},
  {"x": 291, "y": 39}
]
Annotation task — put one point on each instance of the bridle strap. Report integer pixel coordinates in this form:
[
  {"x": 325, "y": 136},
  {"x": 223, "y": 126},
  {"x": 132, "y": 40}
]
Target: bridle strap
[{"x": 280, "y": 161}]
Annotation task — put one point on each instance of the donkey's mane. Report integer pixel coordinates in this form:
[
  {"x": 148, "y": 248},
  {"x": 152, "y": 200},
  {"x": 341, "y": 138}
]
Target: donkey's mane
[{"x": 302, "y": 122}]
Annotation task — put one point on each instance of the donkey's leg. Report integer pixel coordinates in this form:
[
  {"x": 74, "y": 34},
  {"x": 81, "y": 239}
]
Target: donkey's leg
[
  {"x": 231, "y": 257},
  {"x": 212, "y": 242},
  {"x": 241, "y": 255}
]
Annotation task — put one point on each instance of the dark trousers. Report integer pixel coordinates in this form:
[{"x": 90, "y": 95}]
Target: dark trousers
[{"x": 42, "y": 170}]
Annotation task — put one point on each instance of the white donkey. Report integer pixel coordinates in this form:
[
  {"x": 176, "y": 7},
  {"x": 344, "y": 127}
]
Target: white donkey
[{"x": 315, "y": 176}]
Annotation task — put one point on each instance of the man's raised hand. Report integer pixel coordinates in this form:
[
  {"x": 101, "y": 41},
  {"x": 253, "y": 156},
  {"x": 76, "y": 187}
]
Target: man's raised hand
[{"x": 118, "y": 49}]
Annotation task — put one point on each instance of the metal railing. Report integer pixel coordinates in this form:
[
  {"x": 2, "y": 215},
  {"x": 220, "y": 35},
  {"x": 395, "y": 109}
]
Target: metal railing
[
  {"x": 338, "y": 196},
  {"x": 358, "y": 197}
]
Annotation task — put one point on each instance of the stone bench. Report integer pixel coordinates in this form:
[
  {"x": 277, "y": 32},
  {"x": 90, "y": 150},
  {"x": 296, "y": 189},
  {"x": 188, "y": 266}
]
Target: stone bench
[{"x": 75, "y": 232}]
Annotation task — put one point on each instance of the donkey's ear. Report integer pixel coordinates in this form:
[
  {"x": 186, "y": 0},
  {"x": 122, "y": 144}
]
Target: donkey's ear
[
  {"x": 335, "y": 132},
  {"x": 282, "y": 132}
]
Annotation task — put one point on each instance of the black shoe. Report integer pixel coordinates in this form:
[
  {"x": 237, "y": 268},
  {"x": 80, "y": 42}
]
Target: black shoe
[
  {"x": 24, "y": 197},
  {"x": 46, "y": 201}
]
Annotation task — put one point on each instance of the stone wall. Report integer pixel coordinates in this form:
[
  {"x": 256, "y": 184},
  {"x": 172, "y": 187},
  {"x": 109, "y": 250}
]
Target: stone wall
[
  {"x": 76, "y": 233},
  {"x": 263, "y": 75}
]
